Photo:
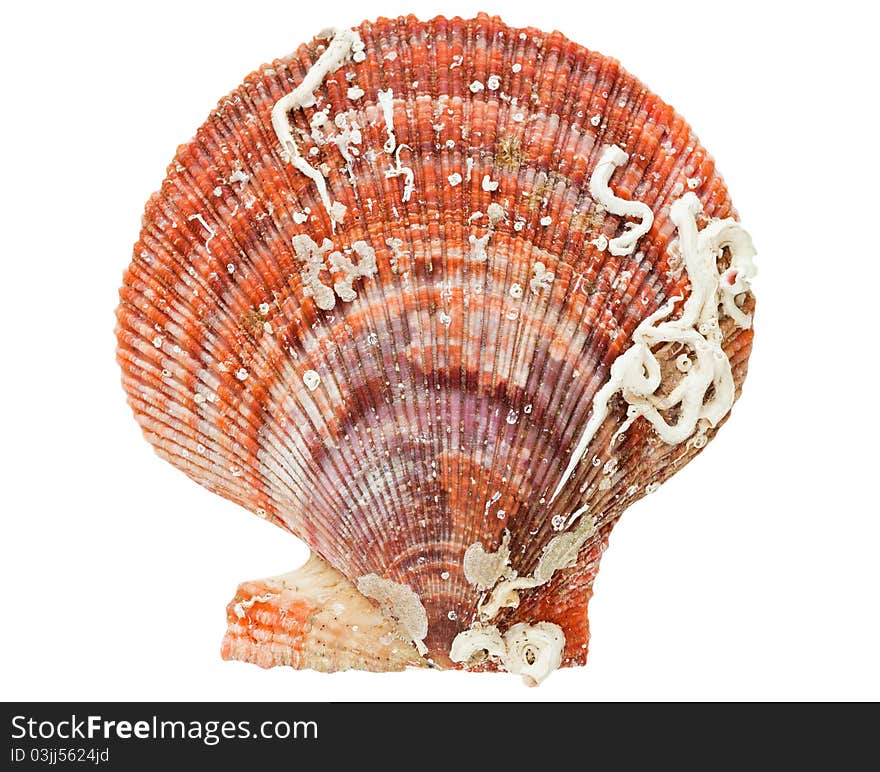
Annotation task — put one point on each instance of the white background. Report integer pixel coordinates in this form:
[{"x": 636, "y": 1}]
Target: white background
[{"x": 753, "y": 574}]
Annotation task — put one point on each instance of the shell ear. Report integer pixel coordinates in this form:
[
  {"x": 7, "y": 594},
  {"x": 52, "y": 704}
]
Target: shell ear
[{"x": 313, "y": 618}]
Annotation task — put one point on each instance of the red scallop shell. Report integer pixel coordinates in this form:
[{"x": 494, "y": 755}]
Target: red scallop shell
[{"x": 447, "y": 406}]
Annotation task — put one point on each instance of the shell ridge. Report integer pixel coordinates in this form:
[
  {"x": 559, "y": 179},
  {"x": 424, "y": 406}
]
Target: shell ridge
[
  {"x": 420, "y": 268},
  {"x": 242, "y": 424},
  {"x": 590, "y": 309},
  {"x": 414, "y": 250},
  {"x": 539, "y": 79},
  {"x": 408, "y": 419},
  {"x": 509, "y": 337},
  {"x": 591, "y": 344},
  {"x": 545, "y": 321},
  {"x": 388, "y": 496},
  {"x": 455, "y": 320},
  {"x": 558, "y": 142},
  {"x": 477, "y": 62}
]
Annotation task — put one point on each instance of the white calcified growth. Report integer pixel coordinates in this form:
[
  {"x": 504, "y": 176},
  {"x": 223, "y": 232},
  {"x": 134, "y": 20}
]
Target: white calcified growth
[
  {"x": 636, "y": 373},
  {"x": 397, "y": 252},
  {"x": 349, "y": 134},
  {"x": 559, "y": 553},
  {"x": 337, "y": 212},
  {"x": 482, "y": 569},
  {"x": 398, "y": 170},
  {"x": 474, "y": 645},
  {"x": 532, "y": 651},
  {"x": 478, "y": 247},
  {"x": 317, "y": 124},
  {"x": 238, "y": 175},
  {"x": 338, "y": 52},
  {"x": 211, "y": 232},
  {"x": 311, "y": 379},
  {"x": 400, "y": 602},
  {"x": 541, "y": 278},
  {"x": 313, "y": 259},
  {"x": 488, "y": 184},
  {"x": 496, "y": 215},
  {"x": 366, "y": 267},
  {"x": 611, "y": 158},
  {"x": 386, "y": 102}
]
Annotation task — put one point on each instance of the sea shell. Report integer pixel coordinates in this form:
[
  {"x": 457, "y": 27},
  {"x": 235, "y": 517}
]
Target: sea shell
[{"x": 442, "y": 299}]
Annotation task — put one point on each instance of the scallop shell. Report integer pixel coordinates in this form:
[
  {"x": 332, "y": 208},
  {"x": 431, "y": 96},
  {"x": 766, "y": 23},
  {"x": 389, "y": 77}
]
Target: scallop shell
[{"x": 441, "y": 299}]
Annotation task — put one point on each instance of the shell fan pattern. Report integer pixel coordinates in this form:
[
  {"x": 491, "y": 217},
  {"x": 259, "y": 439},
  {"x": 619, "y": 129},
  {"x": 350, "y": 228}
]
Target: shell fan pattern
[{"x": 441, "y": 299}]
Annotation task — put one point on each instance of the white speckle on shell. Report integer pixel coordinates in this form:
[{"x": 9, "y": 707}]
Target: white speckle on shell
[
  {"x": 337, "y": 211},
  {"x": 496, "y": 214},
  {"x": 476, "y": 87},
  {"x": 541, "y": 278},
  {"x": 600, "y": 242},
  {"x": 311, "y": 379},
  {"x": 454, "y": 179},
  {"x": 238, "y": 176}
]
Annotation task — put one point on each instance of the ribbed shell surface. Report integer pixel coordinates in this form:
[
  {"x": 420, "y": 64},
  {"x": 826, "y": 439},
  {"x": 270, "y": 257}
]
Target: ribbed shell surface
[{"x": 440, "y": 406}]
